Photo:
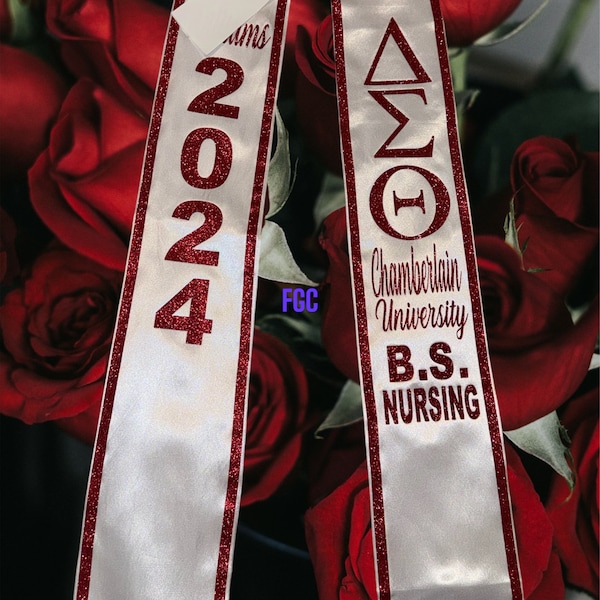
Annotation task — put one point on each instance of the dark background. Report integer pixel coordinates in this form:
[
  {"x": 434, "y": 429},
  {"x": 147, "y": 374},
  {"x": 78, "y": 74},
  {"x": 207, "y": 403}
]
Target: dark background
[{"x": 44, "y": 474}]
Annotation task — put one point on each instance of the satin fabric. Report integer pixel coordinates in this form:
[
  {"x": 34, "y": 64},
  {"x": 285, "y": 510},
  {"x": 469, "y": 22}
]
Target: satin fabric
[
  {"x": 442, "y": 526},
  {"x": 164, "y": 491}
]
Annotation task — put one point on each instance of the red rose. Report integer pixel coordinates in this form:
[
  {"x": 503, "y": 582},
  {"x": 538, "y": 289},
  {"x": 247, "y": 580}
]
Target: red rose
[
  {"x": 56, "y": 334},
  {"x": 31, "y": 96},
  {"x": 539, "y": 358},
  {"x": 9, "y": 264},
  {"x": 540, "y": 567},
  {"x": 117, "y": 43},
  {"x": 332, "y": 459},
  {"x": 468, "y": 20},
  {"x": 277, "y": 406},
  {"x": 306, "y": 14},
  {"x": 575, "y": 514},
  {"x": 5, "y": 21},
  {"x": 339, "y": 537},
  {"x": 83, "y": 425},
  {"x": 338, "y": 333},
  {"x": 316, "y": 102},
  {"x": 84, "y": 185},
  {"x": 340, "y": 542},
  {"x": 556, "y": 202}
]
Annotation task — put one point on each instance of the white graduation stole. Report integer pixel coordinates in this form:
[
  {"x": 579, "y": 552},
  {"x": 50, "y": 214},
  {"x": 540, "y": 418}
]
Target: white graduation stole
[
  {"x": 440, "y": 502},
  {"x": 164, "y": 491}
]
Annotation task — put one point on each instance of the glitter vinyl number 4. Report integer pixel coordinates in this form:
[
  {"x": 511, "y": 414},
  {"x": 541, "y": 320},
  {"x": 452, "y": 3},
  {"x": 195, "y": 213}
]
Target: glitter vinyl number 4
[{"x": 186, "y": 249}]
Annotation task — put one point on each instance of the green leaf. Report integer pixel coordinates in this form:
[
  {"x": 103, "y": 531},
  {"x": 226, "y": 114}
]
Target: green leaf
[
  {"x": 301, "y": 332},
  {"x": 557, "y": 113},
  {"x": 331, "y": 197},
  {"x": 347, "y": 410},
  {"x": 578, "y": 311},
  {"x": 507, "y": 30},
  {"x": 25, "y": 25},
  {"x": 280, "y": 178},
  {"x": 511, "y": 231},
  {"x": 547, "y": 440},
  {"x": 464, "y": 99},
  {"x": 458, "y": 70},
  {"x": 511, "y": 237},
  {"x": 276, "y": 260},
  {"x": 573, "y": 594},
  {"x": 454, "y": 51},
  {"x": 291, "y": 329}
]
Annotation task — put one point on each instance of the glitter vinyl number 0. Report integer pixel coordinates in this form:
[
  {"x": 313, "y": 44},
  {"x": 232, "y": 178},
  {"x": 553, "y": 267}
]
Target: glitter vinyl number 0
[{"x": 185, "y": 250}]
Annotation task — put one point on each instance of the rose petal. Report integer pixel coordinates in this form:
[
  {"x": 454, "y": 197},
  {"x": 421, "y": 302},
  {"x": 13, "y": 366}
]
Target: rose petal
[{"x": 534, "y": 382}]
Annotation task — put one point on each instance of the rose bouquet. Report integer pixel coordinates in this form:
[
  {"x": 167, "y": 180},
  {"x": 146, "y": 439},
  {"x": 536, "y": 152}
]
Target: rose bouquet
[{"x": 75, "y": 114}]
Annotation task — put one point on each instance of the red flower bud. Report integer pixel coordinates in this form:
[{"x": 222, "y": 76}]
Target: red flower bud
[
  {"x": 31, "y": 96},
  {"x": 467, "y": 20}
]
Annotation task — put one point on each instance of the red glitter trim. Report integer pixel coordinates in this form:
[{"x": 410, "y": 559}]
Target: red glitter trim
[
  {"x": 361, "y": 314},
  {"x": 362, "y": 331},
  {"x": 91, "y": 509},
  {"x": 247, "y": 318},
  {"x": 480, "y": 336}
]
